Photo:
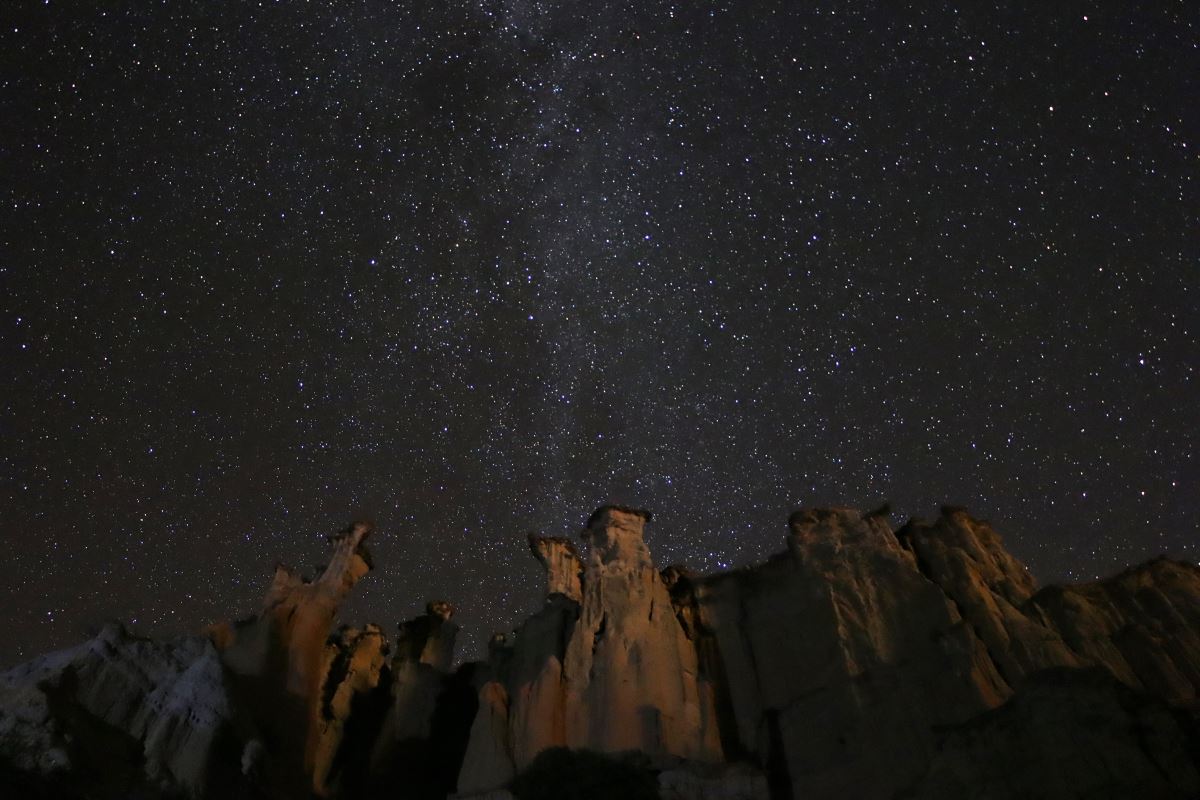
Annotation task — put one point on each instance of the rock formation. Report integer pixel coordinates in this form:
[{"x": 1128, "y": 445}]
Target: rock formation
[
  {"x": 563, "y": 567},
  {"x": 1142, "y": 625},
  {"x": 861, "y": 661},
  {"x": 839, "y": 658},
  {"x": 354, "y": 670},
  {"x": 120, "y": 711},
  {"x": 1068, "y": 733},
  {"x": 420, "y": 674},
  {"x": 604, "y": 665},
  {"x": 278, "y": 658},
  {"x": 237, "y": 711}
]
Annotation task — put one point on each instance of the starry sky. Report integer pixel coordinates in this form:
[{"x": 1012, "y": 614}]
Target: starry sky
[{"x": 472, "y": 269}]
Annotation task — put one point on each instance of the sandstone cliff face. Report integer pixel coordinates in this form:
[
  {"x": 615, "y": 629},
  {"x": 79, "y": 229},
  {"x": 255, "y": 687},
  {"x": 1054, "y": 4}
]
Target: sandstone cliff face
[
  {"x": 1142, "y": 625},
  {"x": 840, "y": 657},
  {"x": 989, "y": 587},
  {"x": 844, "y": 662}
]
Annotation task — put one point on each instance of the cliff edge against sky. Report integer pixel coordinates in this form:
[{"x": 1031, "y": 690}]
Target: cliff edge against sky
[{"x": 862, "y": 661}]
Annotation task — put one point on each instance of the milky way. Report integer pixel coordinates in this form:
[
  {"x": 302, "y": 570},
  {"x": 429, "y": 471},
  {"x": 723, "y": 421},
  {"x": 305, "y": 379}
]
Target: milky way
[{"x": 474, "y": 269}]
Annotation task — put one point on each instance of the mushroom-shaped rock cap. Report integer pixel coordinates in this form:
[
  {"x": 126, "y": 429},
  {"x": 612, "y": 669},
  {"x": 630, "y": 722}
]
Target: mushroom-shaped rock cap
[
  {"x": 604, "y": 509},
  {"x": 614, "y": 534},
  {"x": 439, "y": 608}
]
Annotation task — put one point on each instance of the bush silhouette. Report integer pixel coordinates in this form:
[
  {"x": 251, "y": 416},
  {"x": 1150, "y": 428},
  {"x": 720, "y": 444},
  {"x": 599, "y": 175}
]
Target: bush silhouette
[{"x": 563, "y": 774}]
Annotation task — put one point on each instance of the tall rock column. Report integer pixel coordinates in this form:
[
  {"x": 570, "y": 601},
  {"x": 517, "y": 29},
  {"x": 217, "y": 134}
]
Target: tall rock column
[
  {"x": 521, "y": 688},
  {"x": 279, "y": 657},
  {"x": 631, "y": 674},
  {"x": 605, "y": 664},
  {"x": 355, "y": 662}
]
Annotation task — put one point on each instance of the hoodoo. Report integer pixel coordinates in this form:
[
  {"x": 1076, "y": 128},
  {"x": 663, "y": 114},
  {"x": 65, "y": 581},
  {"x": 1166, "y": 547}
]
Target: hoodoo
[{"x": 861, "y": 661}]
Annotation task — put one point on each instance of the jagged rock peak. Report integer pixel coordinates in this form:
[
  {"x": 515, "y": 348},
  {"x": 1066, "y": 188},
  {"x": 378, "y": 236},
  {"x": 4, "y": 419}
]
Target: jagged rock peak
[
  {"x": 562, "y": 563},
  {"x": 956, "y": 541},
  {"x": 826, "y": 532},
  {"x": 350, "y": 544},
  {"x": 349, "y": 560}
]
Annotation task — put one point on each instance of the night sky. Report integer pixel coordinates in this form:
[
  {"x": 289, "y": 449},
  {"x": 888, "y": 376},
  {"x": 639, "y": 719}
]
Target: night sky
[{"x": 473, "y": 269}]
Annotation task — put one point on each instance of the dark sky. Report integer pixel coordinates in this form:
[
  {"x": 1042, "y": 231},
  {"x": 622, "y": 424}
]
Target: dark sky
[{"x": 473, "y": 269}]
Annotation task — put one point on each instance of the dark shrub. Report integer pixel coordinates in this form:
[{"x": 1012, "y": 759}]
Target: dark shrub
[{"x": 562, "y": 774}]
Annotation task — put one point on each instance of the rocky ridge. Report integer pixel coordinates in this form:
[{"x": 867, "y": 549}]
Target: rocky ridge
[{"x": 862, "y": 661}]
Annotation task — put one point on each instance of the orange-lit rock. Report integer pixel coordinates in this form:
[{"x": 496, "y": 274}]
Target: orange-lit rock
[
  {"x": 609, "y": 668},
  {"x": 279, "y": 657},
  {"x": 1142, "y": 625},
  {"x": 354, "y": 666},
  {"x": 563, "y": 567}
]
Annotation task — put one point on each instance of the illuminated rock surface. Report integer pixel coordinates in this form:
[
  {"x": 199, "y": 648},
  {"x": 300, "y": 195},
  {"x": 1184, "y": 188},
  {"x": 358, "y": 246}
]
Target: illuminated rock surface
[{"x": 860, "y": 662}]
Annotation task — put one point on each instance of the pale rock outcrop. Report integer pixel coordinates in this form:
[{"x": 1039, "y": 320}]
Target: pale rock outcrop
[
  {"x": 631, "y": 674},
  {"x": 424, "y": 653},
  {"x": 488, "y": 762},
  {"x": 608, "y": 668},
  {"x": 520, "y": 693},
  {"x": 1142, "y": 625},
  {"x": 861, "y": 662},
  {"x": 121, "y": 710},
  {"x": 296, "y": 617},
  {"x": 842, "y": 661}
]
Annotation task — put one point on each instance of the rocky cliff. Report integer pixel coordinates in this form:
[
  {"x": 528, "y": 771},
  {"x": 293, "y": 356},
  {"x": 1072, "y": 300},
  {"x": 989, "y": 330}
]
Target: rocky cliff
[{"x": 861, "y": 661}]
